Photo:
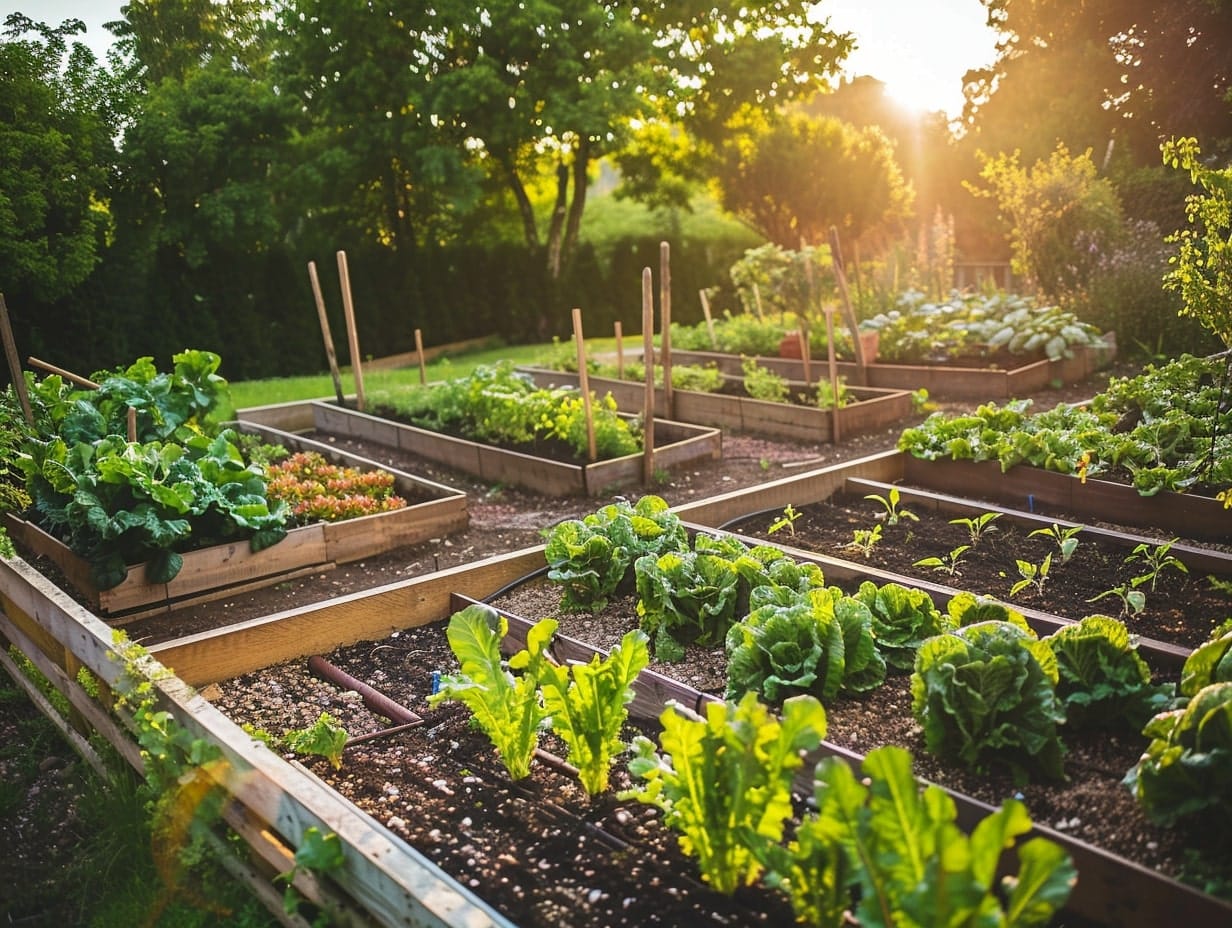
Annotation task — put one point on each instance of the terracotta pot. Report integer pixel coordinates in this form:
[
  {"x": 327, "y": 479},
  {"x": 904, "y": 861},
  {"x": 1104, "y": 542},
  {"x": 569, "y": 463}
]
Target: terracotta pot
[{"x": 789, "y": 347}]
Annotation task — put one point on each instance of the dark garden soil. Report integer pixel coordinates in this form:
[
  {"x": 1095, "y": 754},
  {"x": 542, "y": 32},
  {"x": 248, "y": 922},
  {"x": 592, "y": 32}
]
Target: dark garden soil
[{"x": 1181, "y": 607}]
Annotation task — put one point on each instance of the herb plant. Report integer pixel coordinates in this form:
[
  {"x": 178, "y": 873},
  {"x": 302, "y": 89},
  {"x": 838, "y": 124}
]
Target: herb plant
[
  {"x": 724, "y": 781},
  {"x": 587, "y": 706},
  {"x": 1102, "y": 680},
  {"x": 761, "y": 383},
  {"x": 508, "y": 708},
  {"x": 985, "y": 696}
]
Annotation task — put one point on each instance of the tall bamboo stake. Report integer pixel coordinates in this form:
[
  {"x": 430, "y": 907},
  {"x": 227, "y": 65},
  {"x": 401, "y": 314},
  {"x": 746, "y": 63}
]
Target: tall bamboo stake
[
  {"x": 714, "y": 342},
  {"x": 10, "y": 353},
  {"x": 348, "y": 307},
  {"x": 423, "y": 374},
  {"x": 620, "y": 351},
  {"x": 584, "y": 385},
  {"x": 833, "y": 363},
  {"x": 849, "y": 316},
  {"x": 325, "y": 333},
  {"x": 648, "y": 414},
  {"x": 67, "y": 375},
  {"x": 665, "y": 324}
]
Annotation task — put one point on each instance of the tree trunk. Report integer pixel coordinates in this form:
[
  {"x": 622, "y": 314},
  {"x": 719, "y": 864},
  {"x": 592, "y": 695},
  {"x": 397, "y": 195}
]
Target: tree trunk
[
  {"x": 581, "y": 181},
  {"x": 556, "y": 232},
  {"x": 525, "y": 209}
]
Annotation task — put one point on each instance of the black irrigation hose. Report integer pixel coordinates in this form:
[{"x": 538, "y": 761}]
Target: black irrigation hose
[
  {"x": 773, "y": 510},
  {"x": 514, "y": 584}
]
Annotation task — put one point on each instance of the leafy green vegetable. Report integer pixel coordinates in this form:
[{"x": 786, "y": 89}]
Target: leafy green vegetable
[
  {"x": 902, "y": 620},
  {"x": 966, "y": 608},
  {"x": 684, "y": 597},
  {"x": 507, "y": 708},
  {"x": 1103, "y": 681},
  {"x": 587, "y": 705},
  {"x": 985, "y": 695},
  {"x": 117, "y": 503},
  {"x": 324, "y": 737},
  {"x": 591, "y": 557},
  {"x": 1209, "y": 663},
  {"x": 915, "y": 868},
  {"x": 724, "y": 782},
  {"x": 1185, "y": 771},
  {"x": 818, "y": 642}
]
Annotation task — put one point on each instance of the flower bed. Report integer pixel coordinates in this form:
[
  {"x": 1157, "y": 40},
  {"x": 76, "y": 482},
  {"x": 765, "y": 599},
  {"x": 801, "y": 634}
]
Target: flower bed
[
  {"x": 870, "y": 408},
  {"x": 433, "y": 510}
]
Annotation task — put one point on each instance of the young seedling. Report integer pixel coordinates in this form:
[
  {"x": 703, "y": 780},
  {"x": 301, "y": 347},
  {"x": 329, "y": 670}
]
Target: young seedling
[
  {"x": 1156, "y": 559},
  {"x": 979, "y": 526},
  {"x": 947, "y": 564},
  {"x": 786, "y": 521},
  {"x": 864, "y": 540},
  {"x": 1133, "y": 602},
  {"x": 893, "y": 511},
  {"x": 1065, "y": 538},
  {"x": 1032, "y": 575}
]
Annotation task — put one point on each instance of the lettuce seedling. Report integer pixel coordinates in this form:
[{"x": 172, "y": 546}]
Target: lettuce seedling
[
  {"x": 325, "y": 737},
  {"x": 1103, "y": 681},
  {"x": 507, "y": 708},
  {"x": 985, "y": 695},
  {"x": 588, "y": 706},
  {"x": 724, "y": 781},
  {"x": 900, "y": 844}
]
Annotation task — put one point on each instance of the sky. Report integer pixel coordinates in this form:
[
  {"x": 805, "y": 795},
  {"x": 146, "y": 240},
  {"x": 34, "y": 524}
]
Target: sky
[{"x": 919, "y": 48}]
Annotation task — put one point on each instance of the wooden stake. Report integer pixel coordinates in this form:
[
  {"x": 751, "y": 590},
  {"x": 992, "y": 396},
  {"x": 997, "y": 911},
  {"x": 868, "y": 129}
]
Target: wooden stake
[
  {"x": 648, "y": 414},
  {"x": 132, "y": 424},
  {"x": 833, "y": 363},
  {"x": 757, "y": 302},
  {"x": 67, "y": 375},
  {"x": 10, "y": 354},
  {"x": 665, "y": 322},
  {"x": 620, "y": 351},
  {"x": 584, "y": 385},
  {"x": 849, "y": 316},
  {"x": 325, "y": 334},
  {"x": 348, "y": 308},
  {"x": 714, "y": 342},
  {"x": 423, "y": 373},
  {"x": 802, "y": 335}
]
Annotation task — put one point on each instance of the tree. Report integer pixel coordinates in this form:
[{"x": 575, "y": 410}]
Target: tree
[
  {"x": 1202, "y": 267},
  {"x": 56, "y": 154},
  {"x": 794, "y": 179},
  {"x": 170, "y": 38},
  {"x": 1060, "y": 216}
]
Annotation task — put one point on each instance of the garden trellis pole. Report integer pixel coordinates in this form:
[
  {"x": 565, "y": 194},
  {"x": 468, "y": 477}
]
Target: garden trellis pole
[
  {"x": 584, "y": 385},
  {"x": 849, "y": 316},
  {"x": 714, "y": 342},
  {"x": 325, "y": 333},
  {"x": 648, "y": 357},
  {"x": 620, "y": 350},
  {"x": 10, "y": 353},
  {"x": 665, "y": 324},
  {"x": 423, "y": 374},
  {"x": 348, "y": 307},
  {"x": 829, "y": 311}
]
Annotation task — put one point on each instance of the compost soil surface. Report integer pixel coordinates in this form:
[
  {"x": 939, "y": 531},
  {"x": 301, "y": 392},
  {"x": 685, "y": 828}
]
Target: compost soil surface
[{"x": 509, "y": 840}]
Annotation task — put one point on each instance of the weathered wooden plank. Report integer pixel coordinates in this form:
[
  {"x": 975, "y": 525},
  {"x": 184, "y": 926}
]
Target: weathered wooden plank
[
  {"x": 543, "y": 475},
  {"x": 246, "y": 646}
]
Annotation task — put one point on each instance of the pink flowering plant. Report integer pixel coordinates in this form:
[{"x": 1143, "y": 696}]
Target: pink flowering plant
[{"x": 314, "y": 490}]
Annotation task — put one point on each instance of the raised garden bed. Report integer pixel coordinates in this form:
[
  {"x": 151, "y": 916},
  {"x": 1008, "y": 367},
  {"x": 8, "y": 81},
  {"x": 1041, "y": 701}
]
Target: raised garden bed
[
  {"x": 676, "y": 443},
  {"x": 872, "y": 408},
  {"x": 433, "y": 510},
  {"x": 1016, "y": 378}
]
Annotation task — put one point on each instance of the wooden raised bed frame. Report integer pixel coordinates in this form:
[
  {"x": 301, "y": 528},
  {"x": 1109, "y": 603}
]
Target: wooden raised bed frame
[
  {"x": 950, "y": 382},
  {"x": 676, "y": 443},
  {"x": 224, "y": 570},
  {"x": 873, "y": 408}
]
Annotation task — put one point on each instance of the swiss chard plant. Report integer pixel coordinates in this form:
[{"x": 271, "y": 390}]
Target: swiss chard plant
[
  {"x": 507, "y": 707},
  {"x": 592, "y": 558},
  {"x": 1103, "y": 681},
  {"x": 587, "y": 706},
  {"x": 985, "y": 696},
  {"x": 819, "y": 642},
  {"x": 724, "y": 781},
  {"x": 903, "y": 618},
  {"x": 897, "y": 842},
  {"x": 117, "y": 503}
]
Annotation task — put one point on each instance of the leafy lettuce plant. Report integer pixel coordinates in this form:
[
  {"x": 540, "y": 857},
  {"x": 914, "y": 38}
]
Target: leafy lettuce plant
[
  {"x": 899, "y": 843},
  {"x": 818, "y": 642},
  {"x": 985, "y": 695},
  {"x": 724, "y": 781},
  {"x": 1185, "y": 771},
  {"x": 508, "y": 709},
  {"x": 1209, "y": 663},
  {"x": 966, "y": 608},
  {"x": 1103, "y": 681},
  {"x": 591, "y": 558},
  {"x": 902, "y": 620},
  {"x": 685, "y": 597},
  {"x": 587, "y": 705}
]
